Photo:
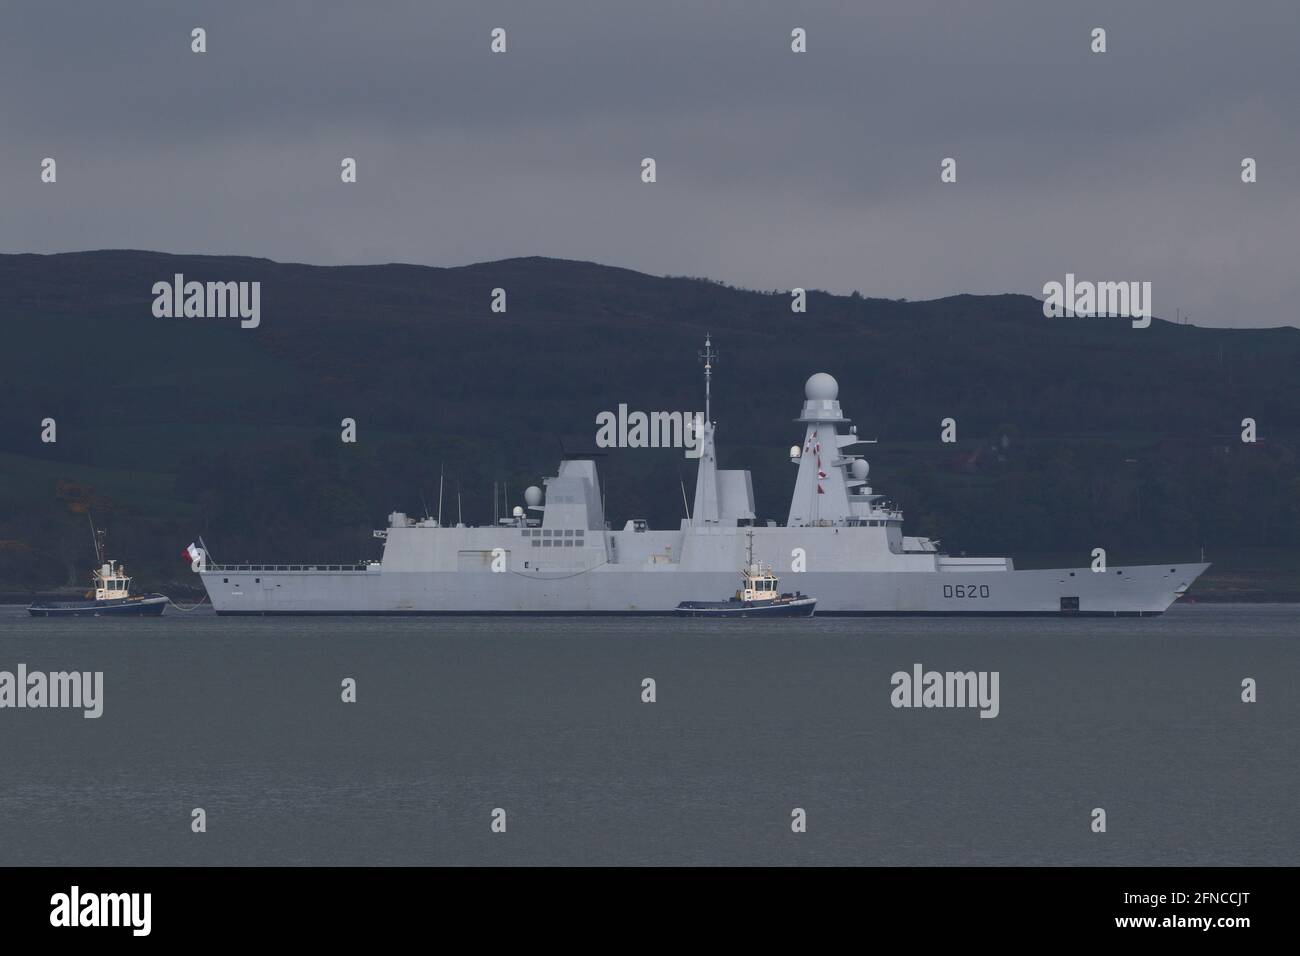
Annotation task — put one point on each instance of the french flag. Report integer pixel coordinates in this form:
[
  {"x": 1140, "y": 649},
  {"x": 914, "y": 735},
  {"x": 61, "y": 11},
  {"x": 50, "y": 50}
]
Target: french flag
[{"x": 191, "y": 554}]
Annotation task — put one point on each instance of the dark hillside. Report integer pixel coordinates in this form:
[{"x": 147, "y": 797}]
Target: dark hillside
[{"x": 1073, "y": 433}]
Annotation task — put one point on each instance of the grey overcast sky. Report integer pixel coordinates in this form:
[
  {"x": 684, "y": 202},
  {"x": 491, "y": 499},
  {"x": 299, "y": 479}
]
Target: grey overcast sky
[{"x": 774, "y": 169}]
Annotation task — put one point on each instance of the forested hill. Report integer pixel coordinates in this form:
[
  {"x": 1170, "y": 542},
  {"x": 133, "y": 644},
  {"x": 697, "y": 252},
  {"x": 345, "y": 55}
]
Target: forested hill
[{"x": 1072, "y": 433}]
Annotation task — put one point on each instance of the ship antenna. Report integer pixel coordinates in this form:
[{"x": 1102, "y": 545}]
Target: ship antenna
[
  {"x": 440, "y": 474},
  {"x": 97, "y": 537},
  {"x": 708, "y": 356}
]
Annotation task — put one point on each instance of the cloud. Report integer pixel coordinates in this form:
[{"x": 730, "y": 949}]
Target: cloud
[{"x": 775, "y": 169}]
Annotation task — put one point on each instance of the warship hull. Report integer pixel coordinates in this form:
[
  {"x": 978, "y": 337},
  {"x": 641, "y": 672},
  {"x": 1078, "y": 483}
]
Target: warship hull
[{"x": 1130, "y": 591}]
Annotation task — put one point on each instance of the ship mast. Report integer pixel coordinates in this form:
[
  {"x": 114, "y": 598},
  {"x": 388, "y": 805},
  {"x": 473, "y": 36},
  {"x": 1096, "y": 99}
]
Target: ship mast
[
  {"x": 708, "y": 355},
  {"x": 706, "y": 478},
  {"x": 98, "y": 537}
]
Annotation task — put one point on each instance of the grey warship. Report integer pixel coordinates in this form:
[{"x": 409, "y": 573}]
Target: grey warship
[{"x": 558, "y": 555}]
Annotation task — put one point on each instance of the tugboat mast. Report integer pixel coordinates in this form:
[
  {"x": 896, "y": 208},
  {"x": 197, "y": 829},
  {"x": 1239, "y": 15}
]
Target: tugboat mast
[{"x": 97, "y": 537}]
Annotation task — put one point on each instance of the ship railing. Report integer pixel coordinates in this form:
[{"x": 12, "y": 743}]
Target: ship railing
[{"x": 286, "y": 567}]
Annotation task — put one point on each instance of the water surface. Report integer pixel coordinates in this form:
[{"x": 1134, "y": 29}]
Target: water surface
[{"x": 544, "y": 718}]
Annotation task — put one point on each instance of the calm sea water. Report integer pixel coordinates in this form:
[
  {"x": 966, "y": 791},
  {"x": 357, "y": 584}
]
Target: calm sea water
[{"x": 544, "y": 718}]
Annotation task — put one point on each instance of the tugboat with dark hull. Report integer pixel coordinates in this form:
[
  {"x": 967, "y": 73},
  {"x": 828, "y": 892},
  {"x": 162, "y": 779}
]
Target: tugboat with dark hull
[
  {"x": 110, "y": 597},
  {"x": 758, "y": 596}
]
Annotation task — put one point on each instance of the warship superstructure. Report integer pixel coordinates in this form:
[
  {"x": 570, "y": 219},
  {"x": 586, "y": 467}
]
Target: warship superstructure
[{"x": 841, "y": 541}]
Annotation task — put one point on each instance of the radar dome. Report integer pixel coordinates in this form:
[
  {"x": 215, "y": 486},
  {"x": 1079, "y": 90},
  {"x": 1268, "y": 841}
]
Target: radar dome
[
  {"x": 794, "y": 453},
  {"x": 821, "y": 388},
  {"x": 518, "y": 512},
  {"x": 860, "y": 469},
  {"x": 532, "y": 496}
]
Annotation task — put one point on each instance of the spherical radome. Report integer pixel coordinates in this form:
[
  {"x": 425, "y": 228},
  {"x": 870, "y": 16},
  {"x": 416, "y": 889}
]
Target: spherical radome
[
  {"x": 860, "y": 469},
  {"x": 821, "y": 388},
  {"x": 532, "y": 496}
]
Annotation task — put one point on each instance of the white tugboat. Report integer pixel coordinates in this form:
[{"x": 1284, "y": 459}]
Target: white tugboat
[
  {"x": 110, "y": 597},
  {"x": 759, "y": 596}
]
